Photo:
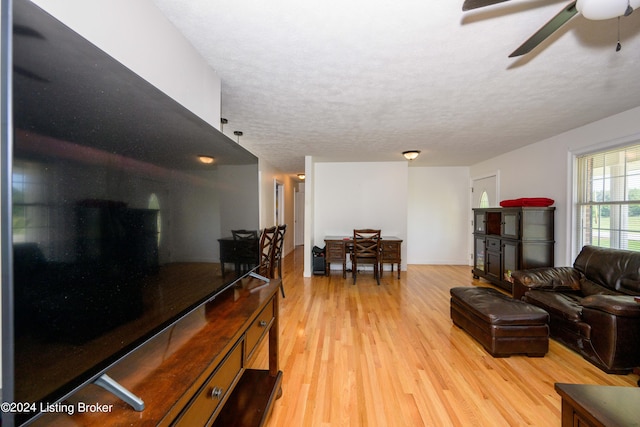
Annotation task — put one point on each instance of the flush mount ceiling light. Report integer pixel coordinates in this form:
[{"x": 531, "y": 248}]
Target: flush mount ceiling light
[
  {"x": 301, "y": 176},
  {"x": 411, "y": 154},
  {"x": 207, "y": 160}
]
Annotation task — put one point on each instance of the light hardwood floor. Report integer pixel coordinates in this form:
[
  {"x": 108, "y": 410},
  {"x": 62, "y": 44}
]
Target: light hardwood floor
[{"x": 389, "y": 355}]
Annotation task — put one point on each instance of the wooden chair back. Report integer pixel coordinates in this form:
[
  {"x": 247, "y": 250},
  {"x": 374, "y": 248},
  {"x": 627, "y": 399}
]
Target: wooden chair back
[
  {"x": 276, "y": 261},
  {"x": 277, "y": 251},
  {"x": 366, "y": 250},
  {"x": 267, "y": 241},
  {"x": 366, "y": 244},
  {"x": 244, "y": 234}
]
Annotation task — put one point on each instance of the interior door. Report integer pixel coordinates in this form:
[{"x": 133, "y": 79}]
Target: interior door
[
  {"x": 299, "y": 218},
  {"x": 485, "y": 192},
  {"x": 278, "y": 202}
]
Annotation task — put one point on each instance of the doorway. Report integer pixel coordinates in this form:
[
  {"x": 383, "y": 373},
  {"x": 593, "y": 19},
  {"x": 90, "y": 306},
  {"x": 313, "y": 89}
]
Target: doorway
[
  {"x": 299, "y": 216},
  {"x": 484, "y": 191},
  {"x": 278, "y": 202}
]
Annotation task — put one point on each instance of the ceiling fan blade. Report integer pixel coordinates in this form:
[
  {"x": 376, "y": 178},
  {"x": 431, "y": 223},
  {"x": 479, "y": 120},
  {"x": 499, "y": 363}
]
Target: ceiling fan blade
[
  {"x": 549, "y": 28},
  {"x": 475, "y": 4}
]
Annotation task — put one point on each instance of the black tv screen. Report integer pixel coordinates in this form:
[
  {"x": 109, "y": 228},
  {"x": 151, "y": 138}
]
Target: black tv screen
[{"x": 113, "y": 226}]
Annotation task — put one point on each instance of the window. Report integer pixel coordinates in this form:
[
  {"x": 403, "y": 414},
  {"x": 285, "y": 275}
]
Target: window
[
  {"x": 609, "y": 199},
  {"x": 484, "y": 200},
  {"x": 31, "y": 211},
  {"x": 154, "y": 204}
]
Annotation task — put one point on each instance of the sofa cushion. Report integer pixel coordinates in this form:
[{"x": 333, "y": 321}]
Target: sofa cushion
[
  {"x": 590, "y": 288},
  {"x": 615, "y": 269},
  {"x": 552, "y": 279},
  {"x": 564, "y": 305}
]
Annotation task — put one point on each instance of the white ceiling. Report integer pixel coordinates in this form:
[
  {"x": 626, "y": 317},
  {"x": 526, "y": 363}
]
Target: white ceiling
[{"x": 368, "y": 79}]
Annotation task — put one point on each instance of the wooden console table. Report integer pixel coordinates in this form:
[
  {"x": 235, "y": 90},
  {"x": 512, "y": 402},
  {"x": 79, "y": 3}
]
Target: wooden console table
[
  {"x": 338, "y": 247},
  {"x": 196, "y": 373},
  {"x": 587, "y": 405}
]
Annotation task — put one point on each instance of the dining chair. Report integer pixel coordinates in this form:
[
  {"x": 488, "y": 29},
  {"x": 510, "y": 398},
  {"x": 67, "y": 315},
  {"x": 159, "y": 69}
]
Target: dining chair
[
  {"x": 265, "y": 251},
  {"x": 244, "y": 234},
  {"x": 276, "y": 261},
  {"x": 366, "y": 250},
  {"x": 245, "y": 249}
]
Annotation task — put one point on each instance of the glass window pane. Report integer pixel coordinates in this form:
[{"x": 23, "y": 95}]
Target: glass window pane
[
  {"x": 607, "y": 181},
  {"x": 616, "y": 190},
  {"x": 597, "y": 190},
  {"x": 633, "y": 187},
  {"x": 484, "y": 200}
]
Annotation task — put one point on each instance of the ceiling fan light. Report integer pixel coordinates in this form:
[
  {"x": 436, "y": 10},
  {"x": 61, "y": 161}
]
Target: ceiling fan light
[{"x": 600, "y": 10}]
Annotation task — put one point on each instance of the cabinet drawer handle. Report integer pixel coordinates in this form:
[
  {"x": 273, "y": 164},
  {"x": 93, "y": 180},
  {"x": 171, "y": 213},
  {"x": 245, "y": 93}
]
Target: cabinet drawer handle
[
  {"x": 262, "y": 323},
  {"x": 216, "y": 393}
]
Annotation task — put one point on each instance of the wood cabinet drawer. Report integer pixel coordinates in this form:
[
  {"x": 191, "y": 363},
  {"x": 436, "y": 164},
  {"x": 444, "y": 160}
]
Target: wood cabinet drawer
[
  {"x": 493, "y": 245},
  {"x": 258, "y": 328},
  {"x": 215, "y": 390},
  {"x": 390, "y": 250},
  {"x": 335, "y": 250}
]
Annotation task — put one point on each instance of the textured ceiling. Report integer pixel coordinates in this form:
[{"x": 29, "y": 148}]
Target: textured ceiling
[{"x": 367, "y": 79}]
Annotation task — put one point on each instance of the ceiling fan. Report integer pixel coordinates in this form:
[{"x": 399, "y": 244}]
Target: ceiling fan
[{"x": 590, "y": 9}]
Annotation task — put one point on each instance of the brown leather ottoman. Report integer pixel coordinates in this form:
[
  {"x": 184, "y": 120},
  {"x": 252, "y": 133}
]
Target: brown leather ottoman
[{"x": 502, "y": 325}]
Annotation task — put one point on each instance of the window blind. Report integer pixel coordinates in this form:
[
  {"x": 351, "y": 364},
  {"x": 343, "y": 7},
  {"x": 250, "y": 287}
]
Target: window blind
[{"x": 609, "y": 198}]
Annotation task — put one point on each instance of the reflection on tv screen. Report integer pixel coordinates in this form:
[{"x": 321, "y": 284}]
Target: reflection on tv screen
[{"x": 117, "y": 226}]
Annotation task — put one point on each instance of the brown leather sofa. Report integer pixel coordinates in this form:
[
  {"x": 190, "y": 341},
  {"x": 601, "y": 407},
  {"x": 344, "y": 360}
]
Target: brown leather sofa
[{"x": 591, "y": 305}]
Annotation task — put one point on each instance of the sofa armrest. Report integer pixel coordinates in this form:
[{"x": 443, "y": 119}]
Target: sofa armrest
[
  {"x": 618, "y": 305},
  {"x": 615, "y": 327},
  {"x": 545, "y": 278}
]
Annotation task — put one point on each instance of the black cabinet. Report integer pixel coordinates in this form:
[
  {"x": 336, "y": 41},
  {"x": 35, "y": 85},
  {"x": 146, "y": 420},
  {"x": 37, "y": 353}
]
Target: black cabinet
[
  {"x": 508, "y": 239},
  {"x": 111, "y": 235}
]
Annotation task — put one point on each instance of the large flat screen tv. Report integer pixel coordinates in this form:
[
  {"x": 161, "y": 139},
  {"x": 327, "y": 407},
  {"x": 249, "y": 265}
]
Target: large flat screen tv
[{"x": 110, "y": 223}]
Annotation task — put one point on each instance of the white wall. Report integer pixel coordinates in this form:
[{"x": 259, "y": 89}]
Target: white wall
[
  {"x": 544, "y": 169},
  {"x": 239, "y": 210},
  {"x": 268, "y": 176},
  {"x": 138, "y": 35},
  {"x": 309, "y": 213},
  {"x": 427, "y": 207},
  {"x": 438, "y": 215},
  {"x": 360, "y": 195}
]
